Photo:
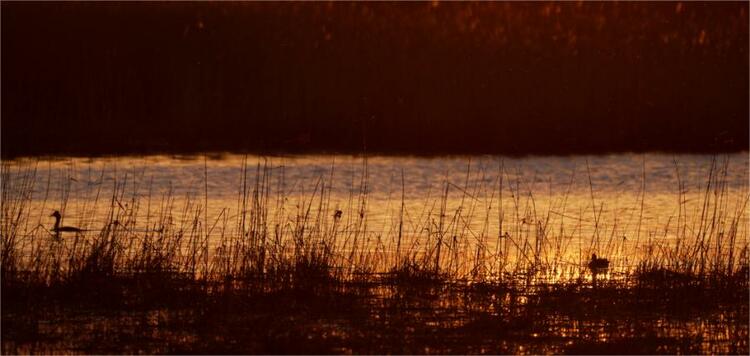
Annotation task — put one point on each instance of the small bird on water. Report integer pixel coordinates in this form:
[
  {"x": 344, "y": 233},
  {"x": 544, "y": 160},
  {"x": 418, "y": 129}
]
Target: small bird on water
[
  {"x": 598, "y": 265},
  {"x": 58, "y": 229}
]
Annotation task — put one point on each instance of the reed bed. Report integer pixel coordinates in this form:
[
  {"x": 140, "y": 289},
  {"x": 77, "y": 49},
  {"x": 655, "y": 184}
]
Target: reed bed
[
  {"x": 170, "y": 251},
  {"x": 269, "y": 237}
]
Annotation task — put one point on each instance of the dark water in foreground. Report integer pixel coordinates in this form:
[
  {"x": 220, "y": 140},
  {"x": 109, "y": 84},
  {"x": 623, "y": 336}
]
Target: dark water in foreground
[{"x": 410, "y": 318}]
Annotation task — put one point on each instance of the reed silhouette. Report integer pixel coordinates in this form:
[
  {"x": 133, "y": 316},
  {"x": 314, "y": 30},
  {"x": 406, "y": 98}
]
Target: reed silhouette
[{"x": 320, "y": 281}]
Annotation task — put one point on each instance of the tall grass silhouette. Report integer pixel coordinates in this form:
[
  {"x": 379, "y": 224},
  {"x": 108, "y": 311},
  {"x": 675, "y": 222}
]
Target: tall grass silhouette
[{"x": 155, "y": 247}]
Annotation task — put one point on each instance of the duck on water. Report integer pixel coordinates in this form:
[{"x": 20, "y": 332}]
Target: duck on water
[
  {"x": 57, "y": 229},
  {"x": 598, "y": 265}
]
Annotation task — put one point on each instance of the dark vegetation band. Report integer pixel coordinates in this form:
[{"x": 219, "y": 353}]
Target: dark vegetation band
[{"x": 510, "y": 78}]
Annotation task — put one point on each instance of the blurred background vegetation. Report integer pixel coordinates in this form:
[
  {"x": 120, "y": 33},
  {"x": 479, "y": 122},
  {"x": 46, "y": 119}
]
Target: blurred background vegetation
[{"x": 421, "y": 78}]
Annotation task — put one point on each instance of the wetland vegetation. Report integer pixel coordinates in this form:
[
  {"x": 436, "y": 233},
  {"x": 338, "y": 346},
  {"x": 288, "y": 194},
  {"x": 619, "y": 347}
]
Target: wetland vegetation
[
  {"x": 485, "y": 269},
  {"x": 282, "y": 178}
]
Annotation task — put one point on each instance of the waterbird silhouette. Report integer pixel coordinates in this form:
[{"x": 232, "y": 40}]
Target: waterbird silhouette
[
  {"x": 57, "y": 229},
  {"x": 598, "y": 265}
]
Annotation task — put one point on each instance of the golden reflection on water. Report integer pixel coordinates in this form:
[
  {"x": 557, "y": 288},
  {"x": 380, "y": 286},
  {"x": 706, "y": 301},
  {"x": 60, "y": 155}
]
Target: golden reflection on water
[{"x": 491, "y": 213}]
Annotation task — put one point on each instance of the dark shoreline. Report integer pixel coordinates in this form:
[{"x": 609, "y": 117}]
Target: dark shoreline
[
  {"x": 421, "y": 78},
  {"x": 218, "y": 152},
  {"x": 171, "y": 314}
]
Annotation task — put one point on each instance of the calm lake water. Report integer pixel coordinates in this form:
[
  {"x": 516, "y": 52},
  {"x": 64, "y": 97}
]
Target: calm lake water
[{"x": 621, "y": 205}]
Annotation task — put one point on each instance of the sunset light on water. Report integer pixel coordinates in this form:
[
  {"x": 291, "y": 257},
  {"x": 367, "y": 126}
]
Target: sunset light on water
[
  {"x": 583, "y": 204},
  {"x": 375, "y": 178}
]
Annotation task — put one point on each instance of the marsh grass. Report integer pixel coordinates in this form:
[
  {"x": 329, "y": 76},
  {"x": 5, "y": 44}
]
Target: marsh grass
[{"x": 322, "y": 280}]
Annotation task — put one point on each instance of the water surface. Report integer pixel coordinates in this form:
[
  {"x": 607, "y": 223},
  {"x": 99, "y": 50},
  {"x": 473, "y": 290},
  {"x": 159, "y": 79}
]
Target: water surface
[{"x": 625, "y": 206}]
